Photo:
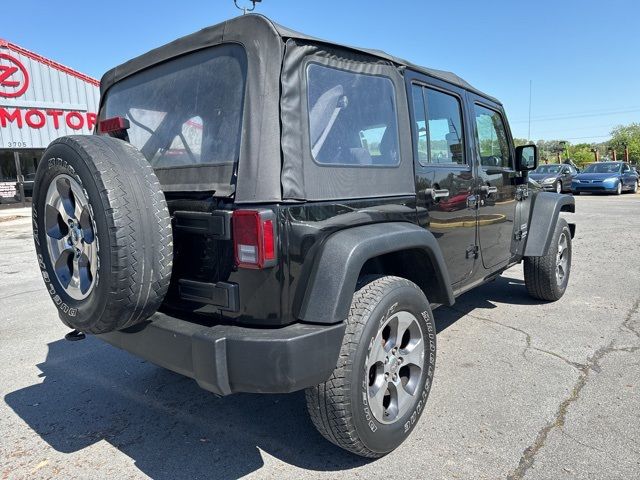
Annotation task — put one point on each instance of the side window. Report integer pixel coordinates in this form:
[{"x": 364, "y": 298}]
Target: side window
[
  {"x": 352, "y": 118},
  {"x": 440, "y": 136},
  {"x": 625, "y": 168},
  {"x": 492, "y": 138}
]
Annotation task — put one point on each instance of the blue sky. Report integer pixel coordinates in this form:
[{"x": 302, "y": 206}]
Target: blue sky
[{"x": 582, "y": 56}]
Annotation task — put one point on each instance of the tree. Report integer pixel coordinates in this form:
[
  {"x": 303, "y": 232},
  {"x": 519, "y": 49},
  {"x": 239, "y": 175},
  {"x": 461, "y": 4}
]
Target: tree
[
  {"x": 581, "y": 154},
  {"x": 629, "y": 135}
]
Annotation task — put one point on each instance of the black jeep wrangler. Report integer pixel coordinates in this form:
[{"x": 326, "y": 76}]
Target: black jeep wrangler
[{"x": 264, "y": 211}]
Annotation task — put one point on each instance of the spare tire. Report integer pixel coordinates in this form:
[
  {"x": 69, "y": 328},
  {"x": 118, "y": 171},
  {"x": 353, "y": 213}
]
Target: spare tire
[{"x": 102, "y": 232}]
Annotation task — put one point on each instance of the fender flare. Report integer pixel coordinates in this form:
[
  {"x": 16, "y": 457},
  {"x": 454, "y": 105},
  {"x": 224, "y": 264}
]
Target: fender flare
[
  {"x": 336, "y": 268},
  {"x": 544, "y": 217}
]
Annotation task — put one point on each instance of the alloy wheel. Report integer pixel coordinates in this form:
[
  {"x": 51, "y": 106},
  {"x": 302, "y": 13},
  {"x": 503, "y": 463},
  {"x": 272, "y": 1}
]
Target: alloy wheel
[
  {"x": 395, "y": 367},
  {"x": 71, "y": 239},
  {"x": 562, "y": 259}
]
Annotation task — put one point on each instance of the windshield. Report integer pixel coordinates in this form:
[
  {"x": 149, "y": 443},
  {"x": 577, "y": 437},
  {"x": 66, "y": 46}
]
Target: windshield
[
  {"x": 186, "y": 114},
  {"x": 603, "y": 168},
  {"x": 547, "y": 169}
]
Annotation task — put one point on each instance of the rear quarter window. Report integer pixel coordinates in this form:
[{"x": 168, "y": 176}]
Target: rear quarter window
[{"x": 352, "y": 118}]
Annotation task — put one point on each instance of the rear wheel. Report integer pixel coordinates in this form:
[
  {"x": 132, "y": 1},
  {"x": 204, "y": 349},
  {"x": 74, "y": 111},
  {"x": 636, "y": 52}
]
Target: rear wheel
[
  {"x": 547, "y": 277},
  {"x": 378, "y": 390},
  {"x": 102, "y": 233}
]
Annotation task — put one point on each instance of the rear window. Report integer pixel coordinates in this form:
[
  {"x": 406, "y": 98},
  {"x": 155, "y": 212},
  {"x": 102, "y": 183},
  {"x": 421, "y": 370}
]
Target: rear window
[
  {"x": 186, "y": 112},
  {"x": 352, "y": 118}
]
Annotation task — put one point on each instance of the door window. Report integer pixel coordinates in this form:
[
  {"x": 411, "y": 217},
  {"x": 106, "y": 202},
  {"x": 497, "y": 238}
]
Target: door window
[
  {"x": 440, "y": 137},
  {"x": 492, "y": 139},
  {"x": 419, "y": 110}
]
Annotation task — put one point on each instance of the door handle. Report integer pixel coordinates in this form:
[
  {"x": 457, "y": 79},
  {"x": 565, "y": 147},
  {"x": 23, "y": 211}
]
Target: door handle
[
  {"x": 487, "y": 190},
  {"x": 436, "y": 193}
]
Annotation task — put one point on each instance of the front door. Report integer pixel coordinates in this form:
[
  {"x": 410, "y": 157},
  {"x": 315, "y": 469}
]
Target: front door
[
  {"x": 444, "y": 173},
  {"x": 496, "y": 183}
]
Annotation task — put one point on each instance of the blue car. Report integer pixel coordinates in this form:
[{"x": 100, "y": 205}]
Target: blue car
[{"x": 609, "y": 177}]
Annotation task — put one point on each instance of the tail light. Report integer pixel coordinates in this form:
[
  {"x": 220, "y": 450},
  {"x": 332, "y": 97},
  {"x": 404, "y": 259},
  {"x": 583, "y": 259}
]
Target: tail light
[
  {"x": 254, "y": 238},
  {"x": 113, "y": 125}
]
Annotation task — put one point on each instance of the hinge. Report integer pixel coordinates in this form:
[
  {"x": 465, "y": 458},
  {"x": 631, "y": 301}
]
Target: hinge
[
  {"x": 522, "y": 192},
  {"x": 472, "y": 252},
  {"x": 522, "y": 233}
]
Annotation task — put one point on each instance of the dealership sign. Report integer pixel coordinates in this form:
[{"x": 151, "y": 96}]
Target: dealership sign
[{"x": 41, "y": 100}]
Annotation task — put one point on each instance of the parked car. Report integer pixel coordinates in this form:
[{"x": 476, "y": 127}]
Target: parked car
[
  {"x": 635, "y": 169},
  {"x": 554, "y": 177},
  {"x": 608, "y": 177},
  {"x": 262, "y": 204}
]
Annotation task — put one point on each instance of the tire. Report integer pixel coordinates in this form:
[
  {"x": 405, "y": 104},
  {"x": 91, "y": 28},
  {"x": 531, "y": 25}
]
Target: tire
[
  {"x": 100, "y": 216},
  {"x": 341, "y": 408},
  {"x": 559, "y": 187},
  {"x": 619, "y": 188},
  {"x": 541, "y": 274},
  {"x": 634, "y": 189}
]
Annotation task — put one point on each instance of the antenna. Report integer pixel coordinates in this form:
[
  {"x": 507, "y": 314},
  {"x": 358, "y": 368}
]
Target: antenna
[{"x": 245, "y": 9}]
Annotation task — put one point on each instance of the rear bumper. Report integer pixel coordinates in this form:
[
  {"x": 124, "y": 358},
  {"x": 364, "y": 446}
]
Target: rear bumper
[{"x": 229, "y": 359}]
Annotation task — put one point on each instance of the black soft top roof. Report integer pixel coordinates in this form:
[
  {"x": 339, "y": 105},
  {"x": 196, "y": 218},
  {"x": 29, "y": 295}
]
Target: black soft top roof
[{"x": 245, "y": 25}]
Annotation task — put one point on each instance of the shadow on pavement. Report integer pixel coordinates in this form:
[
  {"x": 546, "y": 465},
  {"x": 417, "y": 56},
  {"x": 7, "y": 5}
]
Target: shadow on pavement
[
  {"x": 486, "y": 297},
  {"x": 173, "y": 429},
  {"x": 163, "y": 421}
]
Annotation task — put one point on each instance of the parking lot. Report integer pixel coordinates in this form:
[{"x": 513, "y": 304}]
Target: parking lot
[{"x": 522, "y": 389}]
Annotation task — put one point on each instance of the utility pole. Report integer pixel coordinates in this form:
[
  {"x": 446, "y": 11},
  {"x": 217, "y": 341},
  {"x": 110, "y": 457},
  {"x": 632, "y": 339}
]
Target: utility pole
[
  {"x": 16, "y": 158},
  {"x": 626, "y": 152},
  {"x": 596, "y": 154},
  {"x": 530, "y": 90}
]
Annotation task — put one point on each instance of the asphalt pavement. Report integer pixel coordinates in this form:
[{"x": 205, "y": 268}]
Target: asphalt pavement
[{"x": 522, "y": 389}]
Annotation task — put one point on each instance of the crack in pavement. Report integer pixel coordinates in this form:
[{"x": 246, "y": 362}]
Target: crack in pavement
[
  {"x": 20, "y": 293},
  {"x": 528, "y": 340},
  {"x": 627, "y": 320},
  {"x": 593, "y": 364}
]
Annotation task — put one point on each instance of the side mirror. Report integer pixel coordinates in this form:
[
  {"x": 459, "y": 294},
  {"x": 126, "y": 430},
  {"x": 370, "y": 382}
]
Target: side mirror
[{"x": 526, "y": 158}]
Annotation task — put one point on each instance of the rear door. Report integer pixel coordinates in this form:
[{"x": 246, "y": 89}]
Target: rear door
[
  {"x": 444, "y": 171},
  {"x": 495, "y": 156}
]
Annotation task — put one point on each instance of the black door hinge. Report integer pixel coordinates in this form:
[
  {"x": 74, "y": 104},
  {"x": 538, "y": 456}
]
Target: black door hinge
[{"x": 522, "y": 193}]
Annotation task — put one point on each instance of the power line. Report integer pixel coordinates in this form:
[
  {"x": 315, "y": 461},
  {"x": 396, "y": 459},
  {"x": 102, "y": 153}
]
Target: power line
[{"x": 551, "y": 118}]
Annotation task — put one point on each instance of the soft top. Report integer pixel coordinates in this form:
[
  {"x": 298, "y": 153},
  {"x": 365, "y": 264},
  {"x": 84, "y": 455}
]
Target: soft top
[{"x": 256, "y": 27}]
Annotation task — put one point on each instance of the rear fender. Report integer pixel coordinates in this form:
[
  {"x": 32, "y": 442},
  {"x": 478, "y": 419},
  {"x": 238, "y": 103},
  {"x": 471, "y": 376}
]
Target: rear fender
[{"x": 339, "y": 263}]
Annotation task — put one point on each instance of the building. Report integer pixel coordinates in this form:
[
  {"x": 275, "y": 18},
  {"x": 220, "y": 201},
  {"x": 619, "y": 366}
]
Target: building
[{"x": 40, "y": 100}]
